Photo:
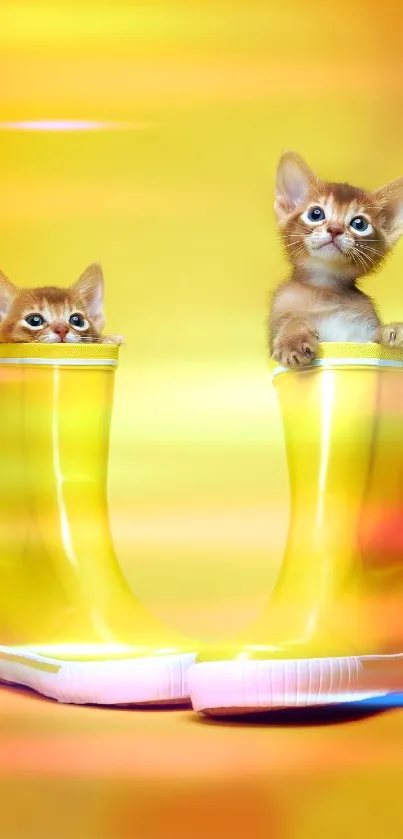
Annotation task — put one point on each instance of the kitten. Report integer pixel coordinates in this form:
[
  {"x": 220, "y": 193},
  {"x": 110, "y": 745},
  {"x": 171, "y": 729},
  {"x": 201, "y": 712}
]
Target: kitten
[
  {"x": 54, "y": 315},
  {"x": 334, "y": 234}
]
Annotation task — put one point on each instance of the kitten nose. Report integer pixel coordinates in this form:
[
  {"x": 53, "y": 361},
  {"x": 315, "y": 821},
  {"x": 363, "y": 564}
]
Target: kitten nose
[
  {"x": 61, "y": 329},
  {"x": 335, "y": 229}
]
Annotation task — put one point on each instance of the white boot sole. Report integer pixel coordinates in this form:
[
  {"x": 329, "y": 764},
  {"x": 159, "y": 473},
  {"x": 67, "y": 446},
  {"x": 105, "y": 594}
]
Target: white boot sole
[
  {"x": 230, "y": 687},
  {"x": 160, "y": 680}
]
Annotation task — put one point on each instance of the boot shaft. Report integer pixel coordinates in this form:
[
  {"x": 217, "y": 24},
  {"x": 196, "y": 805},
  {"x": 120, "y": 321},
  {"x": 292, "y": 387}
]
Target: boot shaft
[
  {"x": 55, "y": 543},
  {"x": 342, "y": 421}
]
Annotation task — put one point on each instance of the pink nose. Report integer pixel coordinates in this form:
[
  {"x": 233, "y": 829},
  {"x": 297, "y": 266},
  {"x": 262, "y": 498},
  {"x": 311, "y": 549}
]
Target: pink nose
[
  {"x": 335, "y": 230},
  {"x": 61, "y": 329}
]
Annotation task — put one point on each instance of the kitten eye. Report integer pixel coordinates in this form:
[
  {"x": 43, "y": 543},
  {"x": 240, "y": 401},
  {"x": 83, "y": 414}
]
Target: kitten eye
[
  {"x": 35, "y": 320},
  {"x": 315, "y": 214},
  {"x": 78, "y": 321},
  {"x": 360, "y": 224}
]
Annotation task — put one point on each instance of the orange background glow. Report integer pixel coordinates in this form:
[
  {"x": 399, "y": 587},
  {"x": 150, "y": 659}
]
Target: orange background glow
[{"x": 172, "y": 192}]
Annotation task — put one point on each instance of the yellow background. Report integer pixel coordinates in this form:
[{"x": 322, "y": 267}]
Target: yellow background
[
  {"x": 175, "y": 201},
  {"x": 178, "y": 209}
]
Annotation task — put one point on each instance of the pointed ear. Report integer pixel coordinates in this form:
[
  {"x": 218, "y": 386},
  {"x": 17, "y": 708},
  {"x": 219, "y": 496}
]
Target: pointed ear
[
  {"x": 390, "y": 200},
  {"x": 7, "y": 294},
  {"x": 293, "y": 183},
  {"x": 90, "y": 286}
]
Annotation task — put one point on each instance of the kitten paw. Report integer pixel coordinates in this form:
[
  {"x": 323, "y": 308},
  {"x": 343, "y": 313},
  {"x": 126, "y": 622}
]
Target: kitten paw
[
  {"x": 392, "y": 335},
  {"x": 118, "y": 340},
  {"x": 296, "y": 352}
]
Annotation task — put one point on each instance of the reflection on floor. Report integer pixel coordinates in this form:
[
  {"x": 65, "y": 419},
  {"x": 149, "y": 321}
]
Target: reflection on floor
[{"x": 69, "y": 772}]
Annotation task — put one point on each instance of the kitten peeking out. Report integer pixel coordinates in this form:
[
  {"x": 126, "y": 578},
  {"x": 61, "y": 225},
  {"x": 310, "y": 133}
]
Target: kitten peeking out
[
  {"x": 55, "y": 315},
  {"x": 334, "y": 234}
]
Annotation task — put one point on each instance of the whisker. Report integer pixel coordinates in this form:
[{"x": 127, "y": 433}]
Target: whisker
[
  {"x": 373, "y": 250},
  {"x": 360, "y": 258},
  {"x": 292, "y": 244},
  {"x": 351, "y": 253},
  {"x": 371, "y": 257},
  {"x": 364, "y": 262},
  {"x": 293, "y": 254},
  {"x": 366, "y": 245},
  {"x": 297, "y": 252},
  {"x": 369, "y": 262},
  {"x": 357, "y": 258}
]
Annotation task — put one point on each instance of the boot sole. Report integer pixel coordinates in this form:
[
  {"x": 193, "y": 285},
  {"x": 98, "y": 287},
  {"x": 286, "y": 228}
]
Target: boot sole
[
  {"x": 156, "y": 680},
  {"x": 242, "y": 687}
]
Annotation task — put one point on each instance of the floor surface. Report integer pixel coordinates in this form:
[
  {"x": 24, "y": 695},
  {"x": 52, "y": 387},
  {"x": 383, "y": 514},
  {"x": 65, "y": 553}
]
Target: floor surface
[{"x": 71, "y": 772}]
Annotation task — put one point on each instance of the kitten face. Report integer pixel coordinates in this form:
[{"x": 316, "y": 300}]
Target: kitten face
[
  {"x": 338, "y": 228},
  {"x": 335, "y": 229},
  {"x": 49, "y": 316},
  {"x": 53, "y": 315}
]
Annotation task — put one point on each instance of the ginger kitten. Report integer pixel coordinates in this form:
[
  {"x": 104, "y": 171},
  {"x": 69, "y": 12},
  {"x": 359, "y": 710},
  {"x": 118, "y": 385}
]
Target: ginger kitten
[
  {"x": 54, "y": 315},
  {"x": 334, "y": 234}
]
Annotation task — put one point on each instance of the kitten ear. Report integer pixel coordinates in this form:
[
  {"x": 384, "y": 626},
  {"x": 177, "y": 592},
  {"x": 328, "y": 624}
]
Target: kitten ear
[
  {"x": 7, "y": 294},
  {"x": 293, "y": 183},
  {"x": 390, "y": 199},
  {"x": 90, "y": 286}
]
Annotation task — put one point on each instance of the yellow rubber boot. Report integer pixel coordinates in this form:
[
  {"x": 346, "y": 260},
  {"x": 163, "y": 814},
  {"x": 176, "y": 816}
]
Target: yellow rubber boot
[
  {"x": 69, "y": 625},
  {"x": 333, "y": 629}
]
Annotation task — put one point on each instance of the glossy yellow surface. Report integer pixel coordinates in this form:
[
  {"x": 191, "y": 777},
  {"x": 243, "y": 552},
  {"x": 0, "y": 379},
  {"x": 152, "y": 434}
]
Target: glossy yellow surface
[
  {"x": 340, "y": 587},
  {"x": 62, "y": 591},
  {"x": 194, "y": 101}
]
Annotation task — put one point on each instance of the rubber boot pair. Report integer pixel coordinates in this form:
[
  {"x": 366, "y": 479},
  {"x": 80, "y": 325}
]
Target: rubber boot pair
[{"x": 70, "y": 627}]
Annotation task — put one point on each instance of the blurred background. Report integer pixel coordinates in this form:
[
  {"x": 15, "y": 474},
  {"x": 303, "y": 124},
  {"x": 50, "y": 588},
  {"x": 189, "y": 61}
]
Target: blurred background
[{"x": 146, "y": 137}]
